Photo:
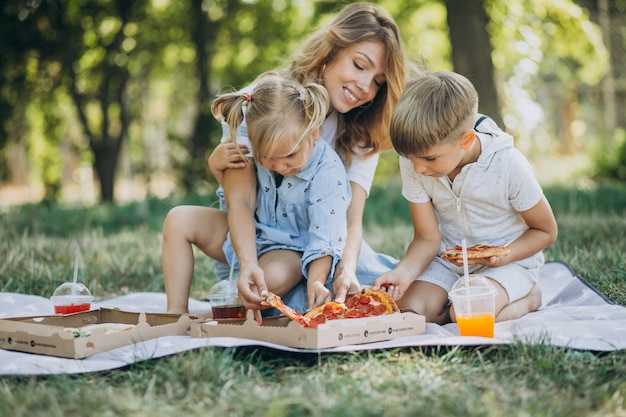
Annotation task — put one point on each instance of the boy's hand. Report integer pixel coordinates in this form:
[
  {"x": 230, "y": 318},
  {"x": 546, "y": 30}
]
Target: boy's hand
[
  {"x": 491, "y": 261},
  {"x": 393, "y": 283},
  {"x": 317, "y": 294}
]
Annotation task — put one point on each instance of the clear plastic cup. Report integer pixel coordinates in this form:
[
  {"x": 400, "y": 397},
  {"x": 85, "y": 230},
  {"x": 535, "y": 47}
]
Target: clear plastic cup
[
  {"x": 224, "y": 299},
  {"x": 474, "y": 306},
  {"x": 67, "y": 301}
]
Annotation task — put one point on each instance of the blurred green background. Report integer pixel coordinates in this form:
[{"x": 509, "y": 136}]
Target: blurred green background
[{"x": 108, "y": 101}]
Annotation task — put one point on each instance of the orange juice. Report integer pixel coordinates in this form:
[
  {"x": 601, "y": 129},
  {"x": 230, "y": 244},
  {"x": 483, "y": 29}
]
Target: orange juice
[{"x": 476, "y": 325}]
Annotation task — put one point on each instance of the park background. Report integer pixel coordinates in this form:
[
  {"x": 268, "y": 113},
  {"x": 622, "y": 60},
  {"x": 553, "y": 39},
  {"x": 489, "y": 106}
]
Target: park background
[
  {"x": 109, "y": 101},
  {"x": 105, "y": 125}
]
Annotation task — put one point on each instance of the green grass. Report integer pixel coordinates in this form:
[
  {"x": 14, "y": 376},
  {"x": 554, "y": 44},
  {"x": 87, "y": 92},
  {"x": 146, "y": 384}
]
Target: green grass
[{"x": 120, "y": 249}]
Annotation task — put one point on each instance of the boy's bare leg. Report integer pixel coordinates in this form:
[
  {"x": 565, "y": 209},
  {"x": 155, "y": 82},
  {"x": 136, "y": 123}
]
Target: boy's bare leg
[
  {"x": 525, "y": 305},
  {"x": 183, "y": 227},
  {"x": 427, "y": 299}
]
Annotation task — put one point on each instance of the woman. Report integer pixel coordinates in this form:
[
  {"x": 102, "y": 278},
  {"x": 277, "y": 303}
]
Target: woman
[{"x": 360, "y": 60}]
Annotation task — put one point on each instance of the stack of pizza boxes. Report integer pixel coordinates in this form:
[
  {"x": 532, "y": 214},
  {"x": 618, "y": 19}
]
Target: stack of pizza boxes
[{"x": 83, "y": 334}]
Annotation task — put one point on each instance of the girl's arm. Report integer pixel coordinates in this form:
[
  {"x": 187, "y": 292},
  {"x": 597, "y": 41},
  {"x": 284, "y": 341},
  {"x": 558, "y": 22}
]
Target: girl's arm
[
  {"x": 240, "y": 195},
  {"x": 420, "y": 253},
  {"x": 317, "y": 293}
]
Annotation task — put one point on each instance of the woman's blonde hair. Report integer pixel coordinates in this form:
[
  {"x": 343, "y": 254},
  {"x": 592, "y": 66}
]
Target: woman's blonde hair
[
  {"x": 365, "y": 128},
  {"x": 277, "y": 106},
  {"x": 434, "y": 109}
]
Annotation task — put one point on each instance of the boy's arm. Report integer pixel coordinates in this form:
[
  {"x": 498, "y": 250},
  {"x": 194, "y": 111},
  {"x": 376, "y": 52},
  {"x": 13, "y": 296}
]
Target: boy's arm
[
  {"x": 420, "y": 252},
  {"x": 542, "y": 232}
]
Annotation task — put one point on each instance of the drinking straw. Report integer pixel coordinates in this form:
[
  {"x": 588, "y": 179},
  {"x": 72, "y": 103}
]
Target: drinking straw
[
  {"x": 76, "y": 262},
  {"x": 466, "y": 277},
  {"x": 230, "y": 275}
]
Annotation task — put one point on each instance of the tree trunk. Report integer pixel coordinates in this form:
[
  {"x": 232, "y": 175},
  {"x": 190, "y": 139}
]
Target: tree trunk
[
  {"x": 471, "y": 51},
  {"x": 105, "y": 165}
]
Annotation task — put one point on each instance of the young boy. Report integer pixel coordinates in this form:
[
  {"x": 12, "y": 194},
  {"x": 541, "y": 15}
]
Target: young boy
[{"x": 464, "y": 179}]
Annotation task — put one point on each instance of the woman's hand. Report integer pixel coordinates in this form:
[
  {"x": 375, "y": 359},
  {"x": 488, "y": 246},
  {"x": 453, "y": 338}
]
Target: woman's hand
[
  {"x": 345, "y": 283},
  {"x": 226, "y": 155},
  {"x": 251, "y": 286}
]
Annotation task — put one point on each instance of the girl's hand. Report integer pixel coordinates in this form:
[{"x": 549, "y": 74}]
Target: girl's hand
[{"x": 317, "y": 294}]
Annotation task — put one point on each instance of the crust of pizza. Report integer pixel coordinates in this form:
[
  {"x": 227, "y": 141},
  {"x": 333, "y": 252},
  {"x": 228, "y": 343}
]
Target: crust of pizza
[
  {"x": 331, "y": 308},
  {"x": 474, "y": 252},
  {"x": 107, "y": 328},
  {"x": 368, "y": 296}
]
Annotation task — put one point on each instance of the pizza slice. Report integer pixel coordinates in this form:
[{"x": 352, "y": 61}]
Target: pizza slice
[
  {"x": 367, "y": 303},
  {"x": 474, "y": 252}
]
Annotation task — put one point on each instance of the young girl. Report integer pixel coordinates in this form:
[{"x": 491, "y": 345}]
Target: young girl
[
  {"x": 299, "y": 206},
  {"x": 360, "y": 60}
]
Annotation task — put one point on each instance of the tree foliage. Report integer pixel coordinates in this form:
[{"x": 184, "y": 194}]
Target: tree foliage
[{"x": 124, "y": 86}]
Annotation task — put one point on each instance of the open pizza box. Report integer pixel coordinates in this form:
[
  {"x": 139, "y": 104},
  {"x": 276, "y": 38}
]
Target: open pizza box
[
  {"x": 60, "y": 335},
  {"x": 284, "y": 331}
]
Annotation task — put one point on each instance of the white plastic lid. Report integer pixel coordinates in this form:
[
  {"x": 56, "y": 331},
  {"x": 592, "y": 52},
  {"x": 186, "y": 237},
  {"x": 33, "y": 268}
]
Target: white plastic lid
[
  {"x": 475, "y": 281},
  {"x": 64, "y": 294}
]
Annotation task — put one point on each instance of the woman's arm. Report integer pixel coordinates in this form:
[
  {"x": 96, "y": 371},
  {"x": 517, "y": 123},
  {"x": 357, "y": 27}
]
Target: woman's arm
[{"x": 346, "y": 282}]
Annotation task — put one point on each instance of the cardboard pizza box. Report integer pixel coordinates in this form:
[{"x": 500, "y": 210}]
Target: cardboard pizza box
[
  {"x": 283, "y": 331},
  {"x": 47, "y": 335}
]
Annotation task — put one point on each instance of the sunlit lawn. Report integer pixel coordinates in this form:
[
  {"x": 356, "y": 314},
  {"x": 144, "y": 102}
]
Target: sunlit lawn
[{"x": 120, "y": 248}]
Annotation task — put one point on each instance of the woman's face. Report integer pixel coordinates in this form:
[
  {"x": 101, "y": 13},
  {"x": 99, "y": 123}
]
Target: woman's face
[{"x": 355, "y": 75}]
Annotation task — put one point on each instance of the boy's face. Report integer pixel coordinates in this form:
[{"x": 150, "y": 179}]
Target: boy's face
[
  {"x": 439, "y": 161},
  {"x": 447, "y": 159}
]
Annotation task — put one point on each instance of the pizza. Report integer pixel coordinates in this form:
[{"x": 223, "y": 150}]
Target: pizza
[
  {"x": 366, "y": 303},
  {"x": 474, "y": 252},
  {"x": 107, "y": 328}
]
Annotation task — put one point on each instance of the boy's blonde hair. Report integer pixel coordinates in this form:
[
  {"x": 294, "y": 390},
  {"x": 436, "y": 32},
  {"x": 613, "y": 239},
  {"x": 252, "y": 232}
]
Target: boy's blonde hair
[
  {"x": 277, "y": 106},
  {"x": 365, "y": 127},
  {"x": 434, "y": 108}
]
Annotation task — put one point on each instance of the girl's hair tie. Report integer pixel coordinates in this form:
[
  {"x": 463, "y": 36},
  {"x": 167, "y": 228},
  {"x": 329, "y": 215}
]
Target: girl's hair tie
[{"x": 247, "y": 97}]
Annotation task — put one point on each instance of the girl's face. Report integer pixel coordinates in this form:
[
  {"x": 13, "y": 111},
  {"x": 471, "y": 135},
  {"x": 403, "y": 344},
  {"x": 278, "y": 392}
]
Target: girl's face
[
  {"x": 288, "y": 159},
  {"x": 355, "y": 75}
]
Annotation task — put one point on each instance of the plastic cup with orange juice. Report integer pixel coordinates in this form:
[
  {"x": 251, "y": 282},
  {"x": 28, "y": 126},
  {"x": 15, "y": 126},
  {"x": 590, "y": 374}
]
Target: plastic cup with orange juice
[{"x": 474, "y": 306}]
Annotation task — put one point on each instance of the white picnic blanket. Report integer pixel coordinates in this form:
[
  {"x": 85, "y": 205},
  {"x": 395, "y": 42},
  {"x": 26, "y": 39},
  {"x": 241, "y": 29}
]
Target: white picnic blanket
[{"x": 573, "y": 315}]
